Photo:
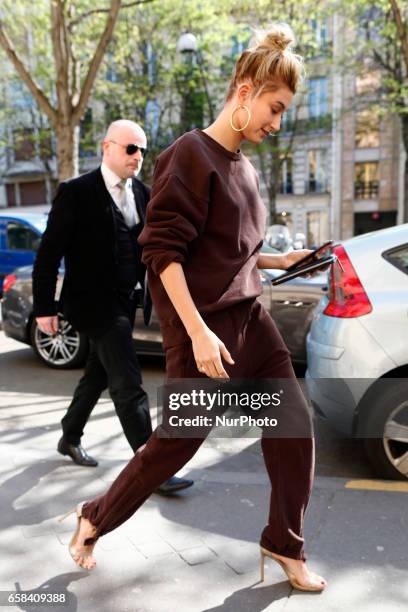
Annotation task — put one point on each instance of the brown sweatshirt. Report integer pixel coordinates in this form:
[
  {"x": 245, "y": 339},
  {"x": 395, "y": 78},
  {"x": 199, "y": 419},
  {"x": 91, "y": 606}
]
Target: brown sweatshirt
[{"x": 205, "y": 212}]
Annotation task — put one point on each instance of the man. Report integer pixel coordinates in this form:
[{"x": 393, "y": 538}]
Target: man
[{"x": 94, "y": 224}]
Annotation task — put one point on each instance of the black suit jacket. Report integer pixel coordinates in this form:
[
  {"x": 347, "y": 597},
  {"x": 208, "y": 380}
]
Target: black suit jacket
[{"x": 81, "y": 229}]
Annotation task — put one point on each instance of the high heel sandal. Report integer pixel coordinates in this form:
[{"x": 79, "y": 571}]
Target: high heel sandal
[
  {"x": 72, "y": 550},
  {"x": 291, "y": 576}
]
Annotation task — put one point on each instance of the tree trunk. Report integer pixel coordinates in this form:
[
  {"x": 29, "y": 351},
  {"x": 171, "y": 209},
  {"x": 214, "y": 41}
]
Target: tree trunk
[
  {"x": 67, "y": 136},
  {"x": 404, "y": 125}
]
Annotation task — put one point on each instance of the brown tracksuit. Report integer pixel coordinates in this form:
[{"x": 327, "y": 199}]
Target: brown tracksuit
[{"x": 206, "y": 213}]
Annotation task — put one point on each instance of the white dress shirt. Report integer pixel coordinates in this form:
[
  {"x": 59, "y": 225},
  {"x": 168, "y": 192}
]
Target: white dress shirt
[{"x": 122, "y": 194}]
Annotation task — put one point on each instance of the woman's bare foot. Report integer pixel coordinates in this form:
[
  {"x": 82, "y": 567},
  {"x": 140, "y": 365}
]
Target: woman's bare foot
[
  {"x": 81, "y": 553},
  {"x": 301, "y": 573}
]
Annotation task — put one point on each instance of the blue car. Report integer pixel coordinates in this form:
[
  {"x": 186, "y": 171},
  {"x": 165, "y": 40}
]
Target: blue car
[{"x": 20, "y": 236}]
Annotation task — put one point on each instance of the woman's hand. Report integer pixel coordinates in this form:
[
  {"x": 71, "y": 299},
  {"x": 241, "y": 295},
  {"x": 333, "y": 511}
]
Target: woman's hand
[
  {"x": 208, "y": 350},
  {"x": 294, "y": 256}
]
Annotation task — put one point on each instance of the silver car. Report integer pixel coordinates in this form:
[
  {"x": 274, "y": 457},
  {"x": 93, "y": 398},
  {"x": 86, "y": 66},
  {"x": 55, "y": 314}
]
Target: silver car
[{"x": 357, "y": 348}]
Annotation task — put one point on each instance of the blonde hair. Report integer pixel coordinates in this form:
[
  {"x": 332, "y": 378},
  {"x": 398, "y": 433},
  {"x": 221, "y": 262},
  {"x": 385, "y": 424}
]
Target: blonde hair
[{"x": 269, "y": 62}]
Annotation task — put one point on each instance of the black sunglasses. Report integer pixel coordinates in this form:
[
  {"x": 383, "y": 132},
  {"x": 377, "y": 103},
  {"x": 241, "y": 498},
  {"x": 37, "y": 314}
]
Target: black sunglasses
[{"x": 131, "y": 149}]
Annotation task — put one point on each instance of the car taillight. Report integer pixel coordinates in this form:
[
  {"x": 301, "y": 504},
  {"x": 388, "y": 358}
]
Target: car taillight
[
  {"x": 8, "y": 282},
  {"x": 346, "y": 294}
]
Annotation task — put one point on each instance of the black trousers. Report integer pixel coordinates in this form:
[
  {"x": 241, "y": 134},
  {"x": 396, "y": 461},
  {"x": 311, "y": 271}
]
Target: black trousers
[{"x": 112, "y": 363}]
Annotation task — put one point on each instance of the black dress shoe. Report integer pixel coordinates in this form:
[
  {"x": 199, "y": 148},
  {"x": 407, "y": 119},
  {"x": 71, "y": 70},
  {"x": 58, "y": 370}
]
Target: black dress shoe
[
  {"x": 77, "y": 453},
  {"x": 174, "y": 484}
]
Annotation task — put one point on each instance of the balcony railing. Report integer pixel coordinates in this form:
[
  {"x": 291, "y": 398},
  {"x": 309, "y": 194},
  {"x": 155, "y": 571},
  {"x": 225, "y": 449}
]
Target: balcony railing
[
  {"x": 314, "y": 186},
  {"x": 285, "y": 188},
  {"x": 322, "y": 123},
  {"x": 365, "y": 190}
]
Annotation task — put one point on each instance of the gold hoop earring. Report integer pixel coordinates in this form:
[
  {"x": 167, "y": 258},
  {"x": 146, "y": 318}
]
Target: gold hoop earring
[{"x": 232, "y": 115}]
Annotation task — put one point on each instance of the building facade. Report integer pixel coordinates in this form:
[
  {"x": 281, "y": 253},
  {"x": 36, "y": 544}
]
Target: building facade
[{"x": 342, "y": 177}]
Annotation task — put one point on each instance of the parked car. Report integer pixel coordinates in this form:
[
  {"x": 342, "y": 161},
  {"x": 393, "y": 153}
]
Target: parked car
[
  {"x": 357, "y": 348},
  {"x": 20, "y": 235},
  {"x": 291, "y": 304}
]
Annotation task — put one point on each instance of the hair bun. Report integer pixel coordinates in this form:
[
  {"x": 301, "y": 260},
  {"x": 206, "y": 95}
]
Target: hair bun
[
  {"x": 277, "y": 38},
  {"x": 269, "y": 62}
]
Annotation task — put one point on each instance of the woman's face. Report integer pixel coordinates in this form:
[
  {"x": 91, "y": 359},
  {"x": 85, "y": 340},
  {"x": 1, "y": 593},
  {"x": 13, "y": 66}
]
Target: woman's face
[{"x": 266, "y": 112}]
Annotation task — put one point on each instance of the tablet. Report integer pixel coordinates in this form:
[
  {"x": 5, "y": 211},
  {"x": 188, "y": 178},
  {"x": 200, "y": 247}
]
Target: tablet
[
  {"x": 313, "y": 255},
  {"x": 310, "y": 267}
]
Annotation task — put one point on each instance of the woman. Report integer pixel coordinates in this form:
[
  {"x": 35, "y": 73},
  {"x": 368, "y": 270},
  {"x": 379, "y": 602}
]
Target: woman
[{"x": 201, "y": 244}]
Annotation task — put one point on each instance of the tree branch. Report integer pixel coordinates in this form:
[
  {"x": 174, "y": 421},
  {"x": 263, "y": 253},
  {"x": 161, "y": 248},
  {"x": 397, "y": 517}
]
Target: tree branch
[
  {"x": 60, "y": 57},
  {"x": 22, "y": 71},
  {"x": 377, "y": 56},
  {"x": 383, "y": 63},
  {"x": 401, "y": 30},
  {"x": 96, "y": 60},
  {"x": 82, "y": 16}
]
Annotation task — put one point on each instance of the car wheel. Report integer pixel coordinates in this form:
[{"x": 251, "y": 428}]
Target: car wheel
[
  {"x": 389, "y": 414},
  {"x": 67, "y": 349}
]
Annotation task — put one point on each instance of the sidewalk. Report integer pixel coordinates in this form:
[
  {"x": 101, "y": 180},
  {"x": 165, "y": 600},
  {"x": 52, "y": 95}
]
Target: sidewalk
[{"x": 195, "y": 552}]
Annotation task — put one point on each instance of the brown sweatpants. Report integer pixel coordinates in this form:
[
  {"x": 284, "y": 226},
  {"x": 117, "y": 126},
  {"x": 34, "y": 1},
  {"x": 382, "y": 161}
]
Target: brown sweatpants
[{"x": 258, "y": 350}]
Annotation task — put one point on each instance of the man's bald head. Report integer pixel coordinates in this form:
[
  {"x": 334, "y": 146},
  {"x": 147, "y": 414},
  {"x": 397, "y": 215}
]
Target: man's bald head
[
  {"x": 119, "y": 134},
  {"x": 123, "y": 127}
]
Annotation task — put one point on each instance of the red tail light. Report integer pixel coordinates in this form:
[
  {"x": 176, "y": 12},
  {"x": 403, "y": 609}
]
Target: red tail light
[
  {"x": 9, "y": 282},
  {"x": 347, "y": 297}
]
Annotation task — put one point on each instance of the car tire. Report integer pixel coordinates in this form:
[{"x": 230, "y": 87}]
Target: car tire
[
  {"x": 67, "y": 351},
  {"x": 388, "y": 410}
]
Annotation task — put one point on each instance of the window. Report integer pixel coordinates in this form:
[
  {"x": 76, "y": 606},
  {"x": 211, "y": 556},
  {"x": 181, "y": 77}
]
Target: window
[
  {"x": 366, "y": 184},
  {"x": 319, "y": 28},
  {"x": 370, "y": 24},
  {"x": 367, "y": 129},
  {"x": 151, "y": 63},
  {"x": 317, "y": 228},
  {"x": 317, "y": 97},
  {"x": 152, "y": 118},
  {"x": 21, "y": 238},
  {"x": 316, "y": 164},
  {"x": 24, "y": 148},
  {"x": 111, "y": 71},
  {"x": 398, "y": 257},
  {"x": 286, "y": 184},
  {"x": 20, "y": 97}
]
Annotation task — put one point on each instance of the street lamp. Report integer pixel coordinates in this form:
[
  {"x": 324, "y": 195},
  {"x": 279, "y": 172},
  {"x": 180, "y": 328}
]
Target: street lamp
[
  {"x": 187, "y": 46},
  {"x": 187, "y": 43}
]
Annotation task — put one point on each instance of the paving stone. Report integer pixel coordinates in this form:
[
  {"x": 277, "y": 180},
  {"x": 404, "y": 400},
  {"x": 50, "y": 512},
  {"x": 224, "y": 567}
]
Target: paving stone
[
  {"x": 181, "y": 542},
  {"x": 197, "y": 555},
  {"x": 154, "y": 548}
]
